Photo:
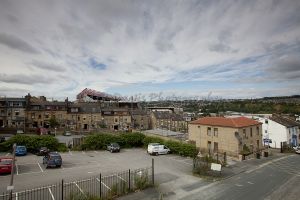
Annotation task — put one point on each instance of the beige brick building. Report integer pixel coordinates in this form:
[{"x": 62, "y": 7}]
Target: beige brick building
[
  {"x": 219, "y": 134},
  {"x": 168, "y": 120}
]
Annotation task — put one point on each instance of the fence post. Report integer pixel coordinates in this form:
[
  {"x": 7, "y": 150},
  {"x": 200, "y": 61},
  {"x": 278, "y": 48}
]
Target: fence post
[
  {"x": 225, "y": 157},
  {"x": 100, "y": 186},
  {"x": 152, "y": 171},
  {"x": 129, "y": 180},
  {"x": 217, "y": 157},
  {"x": 62, "y": 189}
]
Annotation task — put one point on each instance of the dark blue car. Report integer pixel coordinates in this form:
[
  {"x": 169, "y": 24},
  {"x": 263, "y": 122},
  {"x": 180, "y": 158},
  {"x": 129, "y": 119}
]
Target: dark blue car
[
  {"x": 52, "y": 159},
  {"x": 21, "y": 151}
]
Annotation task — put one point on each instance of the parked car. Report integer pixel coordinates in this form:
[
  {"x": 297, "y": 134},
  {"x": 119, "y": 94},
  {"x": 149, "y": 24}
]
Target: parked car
[
  {"x": 21, "y": 151},
  {"x": 297, "y": 151},
  {"x": 5, "y": 165},
  {"x": 113, "y": 147},
  {"x": 67, "y": 133},
  {"x": 157, "y": 149},
  {"x": 52, "y": 159},
  {"x": 42, "y": 151}
]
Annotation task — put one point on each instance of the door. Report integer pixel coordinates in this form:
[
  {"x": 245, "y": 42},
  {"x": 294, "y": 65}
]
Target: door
[{"x": 209, "y": 146}]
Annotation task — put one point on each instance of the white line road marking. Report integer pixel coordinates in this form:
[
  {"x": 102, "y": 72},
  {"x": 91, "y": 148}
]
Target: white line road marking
[
  {"x": 40, "y": 167},
  {"x": 17, "y": 169},
  {"x": 82, "y": 152},
  {"x": 103, "y": 183},
  {"x": 239, "y": 185},
  {"x": 70, "y": 153},
  {"x": 29, "y": 173},
  {"x": 90, "y": 172},
  {"x": 121, "y": 178},
  {"x": 52, "y": 196},
  {"x": 250, "y": 183},
  {"x": 16, "y": 196},
  {"x": 79, "y": 188}
]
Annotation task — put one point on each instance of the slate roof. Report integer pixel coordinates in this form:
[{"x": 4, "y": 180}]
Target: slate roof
[
  {"x": 284, "y": 121},
  {"x": 237, "y": 122}
]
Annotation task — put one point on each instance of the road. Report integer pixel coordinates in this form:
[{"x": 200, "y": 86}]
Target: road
[{"x": 277, "y": 179}]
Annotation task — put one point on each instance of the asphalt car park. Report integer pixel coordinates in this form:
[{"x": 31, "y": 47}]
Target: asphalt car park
[{"x": 80, "y": 166}]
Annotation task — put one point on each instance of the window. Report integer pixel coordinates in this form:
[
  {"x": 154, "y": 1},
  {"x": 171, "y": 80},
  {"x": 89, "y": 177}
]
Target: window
[
  {"x": 266, "y": 121},
  {"x": 216, "y": 132},
  {"x": 215, "y": 147},
  {"x": 116, "y": 120},
  {"x": 266, "y": 131},
  {"x": 257, "y": 130},
  {"x": 46, "y": 115},
  {"x": 32, "y": 115},
  {"x": 244, "y": 133},
  {"x": 40, "y": 116},
  {"x": 250, "y": 132},
  {"x": 209, "y": 145},
  {"x": 17, "y": 112},
  {"x": 208, "y": 131}
]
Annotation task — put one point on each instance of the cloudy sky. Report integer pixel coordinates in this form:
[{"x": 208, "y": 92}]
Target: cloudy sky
[{"x": 230, "y": 49}]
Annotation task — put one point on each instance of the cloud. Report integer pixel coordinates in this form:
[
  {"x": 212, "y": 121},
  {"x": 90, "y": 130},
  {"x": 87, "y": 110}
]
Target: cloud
[
  {"x": 47, "y": 66},
  {"x": 25, "y": 79},
  {"x": 17, "y": 43},
  {"x": 107, "y": 45}
]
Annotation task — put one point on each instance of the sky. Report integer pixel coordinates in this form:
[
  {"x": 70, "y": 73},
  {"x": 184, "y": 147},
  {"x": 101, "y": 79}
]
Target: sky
[{"x": 187, "y": 49}]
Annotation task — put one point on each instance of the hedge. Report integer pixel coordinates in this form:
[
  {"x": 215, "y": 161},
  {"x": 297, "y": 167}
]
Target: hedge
[
  {"x": 99, "y": 141},
  {"x": 176, "y": 147},
  {"x": 32, "y": 142}
]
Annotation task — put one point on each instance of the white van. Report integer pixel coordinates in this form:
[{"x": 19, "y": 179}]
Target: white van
[{"x": 157, "y": 149}]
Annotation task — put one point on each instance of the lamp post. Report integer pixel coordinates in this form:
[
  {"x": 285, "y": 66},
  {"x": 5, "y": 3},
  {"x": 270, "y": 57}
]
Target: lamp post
[{"x": 11, "y": 185}]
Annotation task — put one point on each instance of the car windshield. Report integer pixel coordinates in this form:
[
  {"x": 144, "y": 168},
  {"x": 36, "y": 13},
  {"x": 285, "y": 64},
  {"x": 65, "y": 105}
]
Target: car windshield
[
  {"x": 21, "y": 148},
  {"x": 114, "y": 145},
  {"x": 55, "y": 157},
  {"x": 5, "y": 161}
]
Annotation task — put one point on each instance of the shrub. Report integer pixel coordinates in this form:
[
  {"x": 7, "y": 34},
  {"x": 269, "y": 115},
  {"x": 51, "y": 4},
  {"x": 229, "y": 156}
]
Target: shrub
[
  {"x": 99, "y": 141},
  {"x": 150, "y": 139},
  {"x": 176, "y": 147},
  {"x": 62, "y": 147},
  {"x": 132, "y": 139},
  {"x": 31, "y": 142}
]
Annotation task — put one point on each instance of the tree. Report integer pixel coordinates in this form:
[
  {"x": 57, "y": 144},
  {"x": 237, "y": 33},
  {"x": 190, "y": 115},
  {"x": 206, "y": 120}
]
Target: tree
[{"x": 53, "y": 122}]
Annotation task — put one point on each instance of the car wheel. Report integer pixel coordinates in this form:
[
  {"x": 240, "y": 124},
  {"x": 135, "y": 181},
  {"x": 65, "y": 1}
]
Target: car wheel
[
  {"x": 111, "y": 151},
  {"x": 156, "y": 153}
]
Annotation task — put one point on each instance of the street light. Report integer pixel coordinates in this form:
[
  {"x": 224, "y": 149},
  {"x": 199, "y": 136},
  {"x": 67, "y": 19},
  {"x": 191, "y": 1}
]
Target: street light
[{"x": 11, "y": 185}]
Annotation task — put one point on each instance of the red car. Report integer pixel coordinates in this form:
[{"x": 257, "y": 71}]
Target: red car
[{"x": 5, "y": 165}]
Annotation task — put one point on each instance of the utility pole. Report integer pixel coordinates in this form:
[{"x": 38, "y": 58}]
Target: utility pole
[{"x": 11, "y": 185}]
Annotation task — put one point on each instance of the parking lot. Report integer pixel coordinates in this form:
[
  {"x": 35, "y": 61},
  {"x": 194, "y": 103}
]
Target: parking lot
[{"x": 81, "y": 165}]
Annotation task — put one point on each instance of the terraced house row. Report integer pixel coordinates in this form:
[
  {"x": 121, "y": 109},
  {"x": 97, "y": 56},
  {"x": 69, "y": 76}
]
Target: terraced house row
[{"x": 91, "y": 110}]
